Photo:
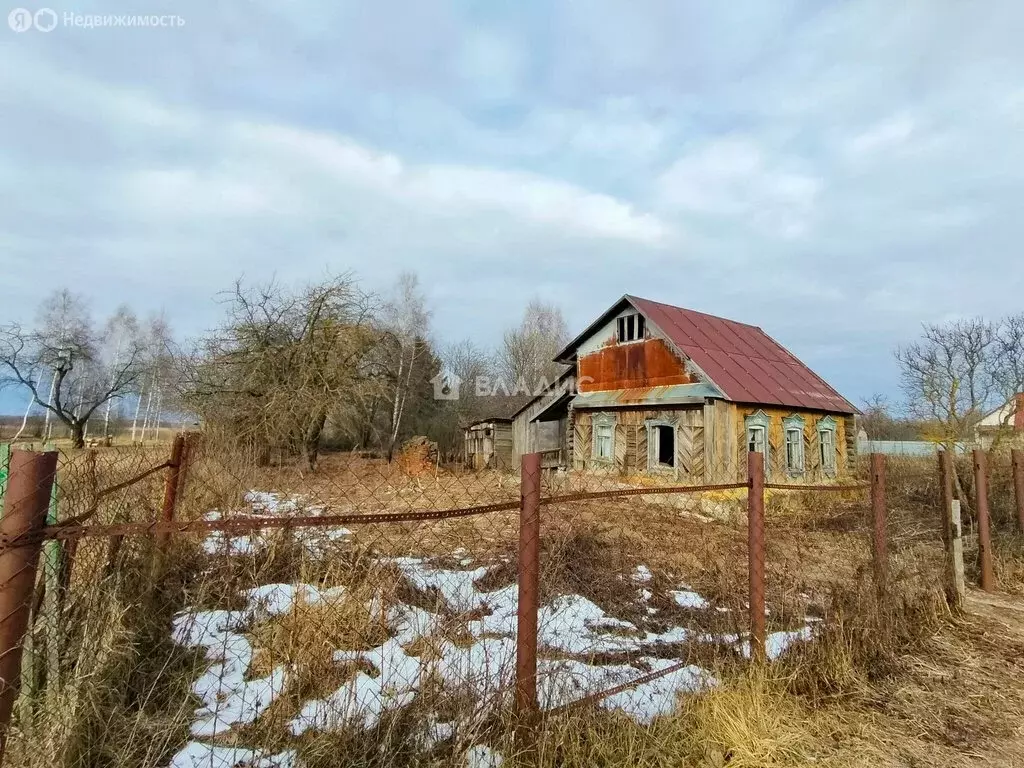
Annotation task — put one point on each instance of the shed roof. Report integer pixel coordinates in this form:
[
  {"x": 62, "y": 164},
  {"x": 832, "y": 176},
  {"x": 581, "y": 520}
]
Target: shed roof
[
  {"x": 489, "y": 420},
  {"x": 742, "y": 361}
]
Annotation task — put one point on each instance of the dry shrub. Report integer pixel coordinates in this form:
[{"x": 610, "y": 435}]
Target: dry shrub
[
  {"x": 865, "y": 636},
  {"x": 306, "y": 637},
  {"x": 124, "y": 697},
  {"x": 747, "y": 722},
  {"x": 1008, "y": 560}
]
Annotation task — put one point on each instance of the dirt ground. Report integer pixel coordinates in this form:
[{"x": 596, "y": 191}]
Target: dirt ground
[{"x": 957, "y": 701}]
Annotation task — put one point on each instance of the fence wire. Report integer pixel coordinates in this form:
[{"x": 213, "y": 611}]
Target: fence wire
[{"x": 366, "y": 613}]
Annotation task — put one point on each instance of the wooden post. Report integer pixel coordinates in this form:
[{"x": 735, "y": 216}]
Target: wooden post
[
  {"x": 1017, "y": 456},
  {"x": 26, "y": 502},
  {"x": 171, "y": 483},
  {"x": 958, "y": 589},
  {"x": 529, "y": 601},
  {"x": 755, "y": 552},
  {"x": 946, "y": 481},
  {"x": 881, "y": 554},
  {"x": 988, "y": 580}
]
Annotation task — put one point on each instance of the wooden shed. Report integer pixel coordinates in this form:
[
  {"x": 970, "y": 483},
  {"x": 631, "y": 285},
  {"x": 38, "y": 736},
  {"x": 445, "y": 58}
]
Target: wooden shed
[{"x": 489, "y": 444}]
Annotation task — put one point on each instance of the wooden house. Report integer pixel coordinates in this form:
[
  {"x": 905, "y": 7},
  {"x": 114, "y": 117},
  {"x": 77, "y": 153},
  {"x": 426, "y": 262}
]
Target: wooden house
[
  {"x": 661, "y": 390},
  {"x": 489, "y": 444}
]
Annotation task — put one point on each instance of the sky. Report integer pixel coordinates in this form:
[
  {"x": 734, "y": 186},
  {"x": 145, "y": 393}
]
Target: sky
[{"x": 836, "y": 173}]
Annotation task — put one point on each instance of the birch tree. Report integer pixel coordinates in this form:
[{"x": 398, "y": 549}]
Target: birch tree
[
  {"x": 406, "y": 321},
  {"x": 119, "y": 333},
  {"x": 525, "y": 362}
]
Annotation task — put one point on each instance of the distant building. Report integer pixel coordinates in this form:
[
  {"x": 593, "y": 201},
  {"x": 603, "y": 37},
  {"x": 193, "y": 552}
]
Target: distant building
[
  {"x": 1006, "y": 420},
  {"x": 489, "y": 444}
]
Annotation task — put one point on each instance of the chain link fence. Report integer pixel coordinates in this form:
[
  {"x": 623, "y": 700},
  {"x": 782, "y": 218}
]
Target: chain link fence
[{"x": 183, "y": 607}]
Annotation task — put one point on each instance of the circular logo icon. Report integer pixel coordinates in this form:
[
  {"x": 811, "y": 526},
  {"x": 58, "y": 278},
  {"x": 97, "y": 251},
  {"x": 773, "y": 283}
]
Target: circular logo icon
[
  {"x": 45, "y": 19},
  {"x": 20, "y": 20}
]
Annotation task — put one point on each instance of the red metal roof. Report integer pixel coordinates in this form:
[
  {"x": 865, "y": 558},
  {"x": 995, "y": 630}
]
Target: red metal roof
[{"x": 744, "y": 362}]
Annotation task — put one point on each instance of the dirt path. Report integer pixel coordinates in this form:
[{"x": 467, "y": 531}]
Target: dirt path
[{"x": 1006, "y": 610}]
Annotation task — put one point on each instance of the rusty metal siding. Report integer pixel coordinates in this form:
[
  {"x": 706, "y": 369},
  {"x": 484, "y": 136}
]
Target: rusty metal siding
[{"x": 633, "y": 365}]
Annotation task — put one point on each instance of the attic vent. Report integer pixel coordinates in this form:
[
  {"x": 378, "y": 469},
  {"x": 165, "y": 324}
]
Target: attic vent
[{"x": 631, "y": 328}]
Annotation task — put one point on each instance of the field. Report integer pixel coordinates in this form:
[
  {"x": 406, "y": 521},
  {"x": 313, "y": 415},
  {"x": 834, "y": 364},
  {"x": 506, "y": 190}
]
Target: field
[{"x": 393, "y": 643}]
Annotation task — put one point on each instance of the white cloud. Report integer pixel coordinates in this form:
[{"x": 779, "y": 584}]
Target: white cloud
[
  {"x": 889, "y": 133},
  {"x": 851, "y": 158},
  {"x": 731, "y": 177}
]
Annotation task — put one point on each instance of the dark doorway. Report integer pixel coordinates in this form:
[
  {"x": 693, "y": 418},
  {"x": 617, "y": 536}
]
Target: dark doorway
[{"x": 665, "y": 446}]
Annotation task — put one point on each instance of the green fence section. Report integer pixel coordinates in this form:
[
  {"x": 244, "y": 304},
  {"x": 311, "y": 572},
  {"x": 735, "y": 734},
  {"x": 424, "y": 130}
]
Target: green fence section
[{"x": 5, "y": 463}]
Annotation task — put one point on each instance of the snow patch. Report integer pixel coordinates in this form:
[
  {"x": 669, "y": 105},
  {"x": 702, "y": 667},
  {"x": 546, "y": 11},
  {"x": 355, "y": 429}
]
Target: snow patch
[
  {"x": 199, "y": 755},
  {"x": 687, "y": 598},
  {"x": 482, "y": 756}
]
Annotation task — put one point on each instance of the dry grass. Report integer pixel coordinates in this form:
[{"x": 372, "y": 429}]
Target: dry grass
[{"x": 888, "y": 682}]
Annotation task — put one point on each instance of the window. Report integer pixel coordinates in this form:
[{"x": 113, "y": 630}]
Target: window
[
  {"x": 603, "y": 441},
  {"x": 794, "y": 450},
  {"x": 755, "y": 439},
  {"x": 757, "y": 434},
  {"x": 604, "y": 438},
  {"x": 661, "y": 442},
  {"x": 631, "y": 328},
  {"x": 793, "y": 426},
  {"x": 827, "y": 444}
]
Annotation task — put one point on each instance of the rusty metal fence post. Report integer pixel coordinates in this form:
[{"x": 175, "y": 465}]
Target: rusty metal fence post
[
  {"x": 984, "y": 534},
  {"x": 1018, "y": 485},
  {"x": 880, "y": 530},
  {"x": 755, "y": 552},
  {"x": 26, "y": 503},
  {"x": 529, "y": 598}
]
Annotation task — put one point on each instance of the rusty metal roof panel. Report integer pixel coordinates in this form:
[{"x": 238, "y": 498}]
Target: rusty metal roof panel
[{"x": 747, "y": 364}]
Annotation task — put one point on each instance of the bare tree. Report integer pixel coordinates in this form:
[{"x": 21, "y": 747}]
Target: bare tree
[
  {"x": 947, "y": 376},
  {"x": 406, "y": 321},
  {"x": 66, "y": 352},
  {"x": 466, "y": 363},
  {"x": 270, "y": 376},
  {"x": 119, "y": 332},
  {"x": 879, "y": 420},
  {"x": 1008, "y": 356},
  {"x": 160, "y": 372},
  {"x": 526, "y": 360}
]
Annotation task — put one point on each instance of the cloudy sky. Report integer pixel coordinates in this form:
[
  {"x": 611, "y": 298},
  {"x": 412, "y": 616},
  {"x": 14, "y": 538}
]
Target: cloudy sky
[{"x": 835, "y": 173}]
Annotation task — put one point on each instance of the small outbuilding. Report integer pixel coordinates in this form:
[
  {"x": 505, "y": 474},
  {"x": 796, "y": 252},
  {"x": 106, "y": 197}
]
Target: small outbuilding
[{"x": 489, "y": 444}]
